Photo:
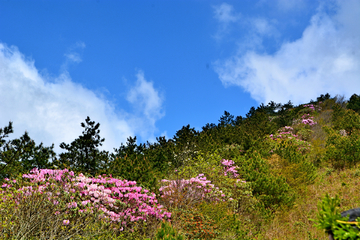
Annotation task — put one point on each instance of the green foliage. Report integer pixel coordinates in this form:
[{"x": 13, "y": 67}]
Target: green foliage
[
  {"x": 210, "y": 165},
  {"x": 21, "y": 155},
  {"x": 330, "y": 220},
  {"x": 167, "y": 232},
  {"x": 185, "y": 145},
  {"x": 271, "y": 170},
  {"x": 299, "y": 170},
  {"x": 354, "y": 103},
  {"x": 328, "y": 104},
  {"x": 195, "y": 224},
  {"x": 328, "y": 213},
  {"x": 83, "y": 154},
  {"x": 342, "y": 151},
  {"x": 273, "y": 191},
  {"x": 143, "y": 165},
  {"x": 348, "y": 120},
  {"x": 318, "y": 152},
  {"x": 230, "y": 225},
  {"x": 136, "y": 168},
  {"x": 323, "y": 97}
]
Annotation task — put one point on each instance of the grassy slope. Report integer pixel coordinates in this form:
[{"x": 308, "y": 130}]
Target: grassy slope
[{"x": 295, "y": 224}]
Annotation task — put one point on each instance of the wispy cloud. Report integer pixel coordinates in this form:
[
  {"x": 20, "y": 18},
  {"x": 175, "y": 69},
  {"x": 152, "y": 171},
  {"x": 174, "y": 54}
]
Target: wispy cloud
[
  {"x": 225, "y": 14},
  {"x": 73, "y": 55},
  {"x": 148, "y": 104},
  {"x": 256, "y": 28},
  {"x": 51, "y": 111},
  {"x": 263, "y": 27},
  {"x": 325, "y": 59}
]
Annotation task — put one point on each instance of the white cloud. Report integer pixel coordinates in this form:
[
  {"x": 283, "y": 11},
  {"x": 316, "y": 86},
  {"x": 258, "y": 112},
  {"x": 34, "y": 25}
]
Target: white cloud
[
  {"x": 148, "y": 103},
  {"x": 73, "y": 55},
  {"x": 225, "y": 14},
  {"x": 325, "y": 59},
  {"x": 256, "y": 27},
  {"x": 51, "y": 111},
  {"x": 263, "y": 27}
]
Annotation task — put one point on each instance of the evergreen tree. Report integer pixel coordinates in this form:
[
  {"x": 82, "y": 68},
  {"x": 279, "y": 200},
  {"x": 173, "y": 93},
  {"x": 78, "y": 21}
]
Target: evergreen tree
[
  {"x": 186, "y": 145},
  {"x": 354, "y": 103},
  {"x": 323, "y": 97},
  {"x": 21, "y": 155},
  {"x": 226, "y": 119},
  {"x": 83, "y": 154},
  {"x": 131, "y": 162}
]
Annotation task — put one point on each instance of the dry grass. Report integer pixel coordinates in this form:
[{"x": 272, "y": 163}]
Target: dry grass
[{"x": 296, "y": 224}]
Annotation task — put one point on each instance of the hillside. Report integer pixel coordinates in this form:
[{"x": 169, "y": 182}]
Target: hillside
[{"x": 256, "y": 177}]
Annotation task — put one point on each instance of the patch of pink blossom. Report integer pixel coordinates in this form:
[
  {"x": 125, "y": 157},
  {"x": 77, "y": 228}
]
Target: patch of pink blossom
[
  {"x": 313, "y": 107},
  {"x": 287, "y": 133},
  {"x": 121, "y": 201},
  {"x": 229, "y": 168},
  {"x": 307, "y": 120},
  {"x": 187, "y": 192}
]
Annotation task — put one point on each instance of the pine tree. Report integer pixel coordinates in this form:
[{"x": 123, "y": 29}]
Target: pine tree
[
  {"x": 21, "y": 155},
  {"x": 83, "y": 154}
]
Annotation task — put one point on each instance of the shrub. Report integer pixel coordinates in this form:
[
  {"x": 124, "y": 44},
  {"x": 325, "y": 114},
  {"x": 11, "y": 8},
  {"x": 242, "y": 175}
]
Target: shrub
[
  {"x": 223, "y": 175},
  {"x": 234, "y": 193},
  {"x": 167, "y": 232},
  {"x": 120, "y": 204},
  {"x": 195, "y": 224},
  {"x": 187, "y": 193},
  {"x": 342, "y": 151},
  {"x": 296, "y": 166},
  {"x": 273, "y": 191},
  {"x": 286, "y": 136},
  {"x": 230, "y": 225},
  {"x": 32, "y": 215}
]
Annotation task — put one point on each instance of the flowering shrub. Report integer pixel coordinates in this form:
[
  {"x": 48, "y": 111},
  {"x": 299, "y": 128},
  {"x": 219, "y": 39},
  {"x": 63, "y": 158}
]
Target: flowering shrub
[
  {"x": 229, "y": 168},
  {"x": 189, "y": 192},
  {"x": 313, "y": 107},
  {"x": 307, "y": 120},
  {"x": 118, "y": 202},
  {"x": 32, "y": 217},
  {"x": 286, "y": 134}
]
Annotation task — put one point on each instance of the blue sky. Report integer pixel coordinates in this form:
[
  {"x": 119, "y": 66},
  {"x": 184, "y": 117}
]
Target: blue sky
[{"x": 147, "y": 68}]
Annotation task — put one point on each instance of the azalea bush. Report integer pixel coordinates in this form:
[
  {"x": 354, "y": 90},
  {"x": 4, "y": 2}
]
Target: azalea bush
[
  {"x": 223, "y": 175},
  {"x": 120, "y": 204},
  {"x": 286, "y": 134},
  {"x": 207, "y": 205},
  {"x": 29, "y": 214},
  {"x": 183, "y": 193}
]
